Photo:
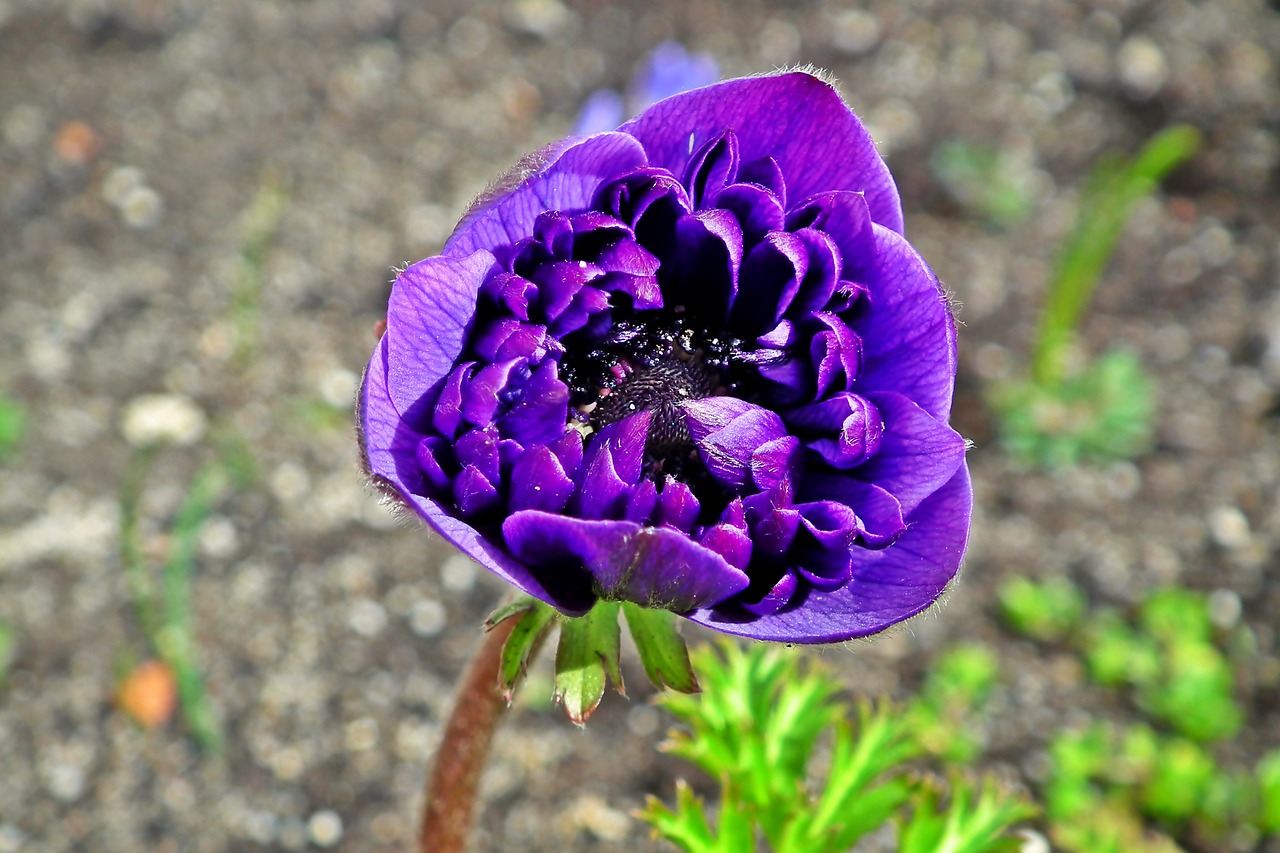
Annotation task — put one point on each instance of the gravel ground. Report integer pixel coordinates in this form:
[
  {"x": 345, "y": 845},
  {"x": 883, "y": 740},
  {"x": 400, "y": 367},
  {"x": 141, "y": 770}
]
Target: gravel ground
[{"x": 142, "y": 144}]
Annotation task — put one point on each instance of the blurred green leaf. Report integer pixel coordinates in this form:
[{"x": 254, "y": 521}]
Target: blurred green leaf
[
  {"x": 13, "y": 423},
  {"x": 984, "y": 179},
  {"x": 1108, "y": 198},
  {"x": 1104, "y": 412},
  {"x": 1049, "y": 610},
  {"x": 8, "y": 647},
  {"x": 1178, "y": 783},
  {"x": 1268, "y": 776}
]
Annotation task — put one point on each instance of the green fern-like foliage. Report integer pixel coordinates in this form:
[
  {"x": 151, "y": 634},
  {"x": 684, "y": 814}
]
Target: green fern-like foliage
[{"x": 766, "y": 720}]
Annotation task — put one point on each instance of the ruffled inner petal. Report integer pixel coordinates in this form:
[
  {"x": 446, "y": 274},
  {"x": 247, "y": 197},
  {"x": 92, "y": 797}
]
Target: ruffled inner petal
[
  {"x": 566, "y": 180},
  {"x": 702, "y": 270},
  {"x": 887, "y": 586},
  {"x": 612, "y": 467},
  {"x": 728, "y": 449},
  {"x": 539, "y": 481}
]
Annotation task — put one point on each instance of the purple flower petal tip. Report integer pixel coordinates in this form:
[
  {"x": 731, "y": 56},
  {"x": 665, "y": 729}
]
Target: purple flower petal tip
[{"x": 692, "y": 364}]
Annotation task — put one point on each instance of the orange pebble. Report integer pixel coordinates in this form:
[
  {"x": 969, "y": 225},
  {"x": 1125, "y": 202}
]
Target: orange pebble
[
  {"x": 149, "y": 694},
  {"x": 76, "y": 144}
]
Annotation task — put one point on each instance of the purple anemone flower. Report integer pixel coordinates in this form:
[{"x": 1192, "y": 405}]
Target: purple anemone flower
[{"x": 691, "y": 364}]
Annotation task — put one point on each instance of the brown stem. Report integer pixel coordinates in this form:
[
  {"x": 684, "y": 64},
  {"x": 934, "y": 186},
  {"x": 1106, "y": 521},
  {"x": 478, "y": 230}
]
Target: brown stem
[{"x": 451, "y": 788}]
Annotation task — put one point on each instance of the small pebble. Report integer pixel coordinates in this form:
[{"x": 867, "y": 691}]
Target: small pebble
[
  {"x": 338, "y": 387},
  {"x": 162, "y": 419},
  {"x": 543, "y": 18},
  {"x": 362, "y": 734},
  {"x": 367, "y": 618},
  {"x": 1033, "y": 842},
  {"x": 324, "y": 828},
  {"x": 142, "y": 208},
  {"x": 1225, "y": 608},
  {"x": 11, "y": 838},
  {"x": 1142, "y": 67},
  {"x": 290, "y": 482},
  {"x": 855, "y": 31},
  {"x": 121, "y": 181},
  {"x": 1229, "y": 527},
  {"x": 24, "y": 125},
  {"x": 428, "y": 618},
  {"x": 458, "y": 573},
  {"x": 643, "y": 720}
]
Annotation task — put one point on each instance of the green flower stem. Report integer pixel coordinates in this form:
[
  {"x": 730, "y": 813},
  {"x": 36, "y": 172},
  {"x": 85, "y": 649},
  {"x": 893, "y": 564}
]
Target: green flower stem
[{"x": 452, "y": 785}]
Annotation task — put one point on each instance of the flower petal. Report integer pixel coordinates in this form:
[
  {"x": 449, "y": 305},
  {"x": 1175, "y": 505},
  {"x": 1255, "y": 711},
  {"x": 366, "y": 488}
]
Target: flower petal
[
  {"x": 651, "y": 566},
  {"x": 909, "y": 336},
  {"x": 538, "y": 481},
  {"x": 390, "y": 458},
  {"x": 887, "y": 587},
  {"x": 565, "y": 179},
  {"x": 612, "y": 467},
  {"x": 428, "y": 317},
  {"x": 918, "y": 453},
  {"x": 729, "y": 433},
  {"x": 795, "y": 118}
]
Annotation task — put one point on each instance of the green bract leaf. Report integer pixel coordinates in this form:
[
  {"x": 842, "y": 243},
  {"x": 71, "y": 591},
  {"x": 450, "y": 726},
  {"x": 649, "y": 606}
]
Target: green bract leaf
[
  {"x": 588, "y": 652},
  {"x": 662, "y": 649},
  {"x": 535, "y": 620}
]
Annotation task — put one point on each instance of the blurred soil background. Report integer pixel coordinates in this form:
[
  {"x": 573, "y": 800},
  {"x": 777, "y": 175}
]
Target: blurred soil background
[{"x": 207, "y": 200}]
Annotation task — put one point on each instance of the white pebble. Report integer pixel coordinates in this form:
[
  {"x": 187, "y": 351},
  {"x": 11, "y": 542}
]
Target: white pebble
[
  {"x": 428, "y": 618},
  {"x": 218, "y": 538},
  {"x": 325, "y": 828},
  {"x": 1225, "y": 608},
  {"x": 458, "y": 573},
  {"x": 290, "y": 482},
  {"x": 338, "y": 387},
  {"x": 11, "y": 838},
  {"x": 1142, "y": 67},
  {"x": 1033, "y": 842},
  {"x": 119, "y": 183},
  {"x": 362, "y": 734},
  {"x": 162, "y": 418},
  {"x": 1229, "y": 527},
  {"x": 66, "y": 782},
  {"x": 142, "y": 208},
  {"x": 367, "y": 618},
  {"x": 855, "y": 31}
]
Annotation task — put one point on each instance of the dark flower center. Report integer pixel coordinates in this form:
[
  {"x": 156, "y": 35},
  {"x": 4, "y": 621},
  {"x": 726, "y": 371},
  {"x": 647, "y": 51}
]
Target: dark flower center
[{"x": 651, "y": 361}]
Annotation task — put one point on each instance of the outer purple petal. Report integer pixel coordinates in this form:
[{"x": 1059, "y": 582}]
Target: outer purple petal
[
  {"x": 795, "y": 118},
  {"x": 917, "y": 452},
  {"x": 390, "y": 451},
  {"x": 564, "y": 182},
  {"x": 909, "y": 336},
  {"x": 888, "y": 586},
  {"x": 652, "y": 566},
  {"x": 428, "y": 316}
]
